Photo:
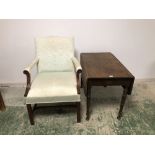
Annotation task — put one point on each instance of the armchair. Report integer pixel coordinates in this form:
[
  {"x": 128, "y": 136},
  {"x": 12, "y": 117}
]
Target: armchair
[{"x": 58, "y": 77}]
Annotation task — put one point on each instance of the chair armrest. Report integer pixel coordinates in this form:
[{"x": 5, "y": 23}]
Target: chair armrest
[
  {"x": 35, "y": 61},
  {"x": 28, "y": 75},
  {"x": 78, "y": 70},
  {"x": 76, "y": 64}
]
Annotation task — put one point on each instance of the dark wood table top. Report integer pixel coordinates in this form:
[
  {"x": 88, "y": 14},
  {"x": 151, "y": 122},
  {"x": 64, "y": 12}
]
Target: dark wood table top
[{"x": 103, "y": 65}]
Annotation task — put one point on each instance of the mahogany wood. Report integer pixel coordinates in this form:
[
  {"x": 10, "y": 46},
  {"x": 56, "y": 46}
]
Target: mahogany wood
[
  {"x": 28, "y": 83},
  {"x": 30, "y": 112},
  {"x": 78, "y": 112},
  {"x": 78, "y": 80},
  {"x": 104, "y": 69}
]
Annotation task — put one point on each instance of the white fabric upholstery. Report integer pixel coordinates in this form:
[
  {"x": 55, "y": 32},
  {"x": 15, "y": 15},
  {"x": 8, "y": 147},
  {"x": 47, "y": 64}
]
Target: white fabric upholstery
[
  {"x": 52, "y": 87},
  {"x": 36, "y": 60},
  {"x": 56, "y": 80},
  {"x": 55, "y": 53},
  {"x": 76, "y": 64}
]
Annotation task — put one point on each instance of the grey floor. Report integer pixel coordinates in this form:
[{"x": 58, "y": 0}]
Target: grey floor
[{"x": 138, "y": 118}]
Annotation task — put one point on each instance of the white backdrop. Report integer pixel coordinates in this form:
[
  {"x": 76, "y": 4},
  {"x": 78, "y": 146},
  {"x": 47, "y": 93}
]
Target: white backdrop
[{"x": 131, "y": 41}]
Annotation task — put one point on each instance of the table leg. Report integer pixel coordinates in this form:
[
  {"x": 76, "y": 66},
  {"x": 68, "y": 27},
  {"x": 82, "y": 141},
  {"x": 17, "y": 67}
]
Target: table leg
[
  {"x": 88, "y": 103},
  {"x": 125, "y": 91},
  {"x": 88, "y": 108}
]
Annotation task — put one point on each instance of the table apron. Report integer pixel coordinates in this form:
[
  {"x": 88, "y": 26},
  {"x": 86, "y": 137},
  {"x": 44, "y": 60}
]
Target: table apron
[
  {"x": 128, "y": 83},
  {"x": 110, "y": 82}
]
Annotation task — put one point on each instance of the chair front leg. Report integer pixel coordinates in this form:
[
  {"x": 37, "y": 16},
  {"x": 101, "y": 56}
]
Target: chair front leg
[
  {"x": 30, "y": 113},
  {"x": 78, "y": 104}
]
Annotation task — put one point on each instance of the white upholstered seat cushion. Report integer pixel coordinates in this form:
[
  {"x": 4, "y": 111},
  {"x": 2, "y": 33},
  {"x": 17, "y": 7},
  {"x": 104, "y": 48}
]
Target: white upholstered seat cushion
[{"x": 53, "y": 87}]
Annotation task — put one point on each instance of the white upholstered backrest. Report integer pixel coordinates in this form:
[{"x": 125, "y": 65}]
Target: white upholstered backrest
[{"x": 55, "y": 53}]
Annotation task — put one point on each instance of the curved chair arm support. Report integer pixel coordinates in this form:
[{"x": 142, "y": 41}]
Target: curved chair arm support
[
  {"x": 28, "y": 75},
  {"x": 78, "y": 70}
]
